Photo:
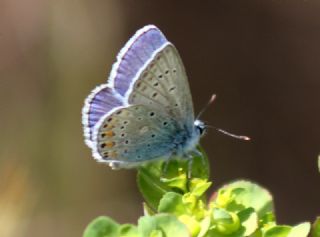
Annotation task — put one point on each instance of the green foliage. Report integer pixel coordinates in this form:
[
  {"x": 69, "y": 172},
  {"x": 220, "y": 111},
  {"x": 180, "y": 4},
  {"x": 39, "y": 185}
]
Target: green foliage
[
  {"x": 176, "y": 206},
  {"x": 316, "y": 228}
]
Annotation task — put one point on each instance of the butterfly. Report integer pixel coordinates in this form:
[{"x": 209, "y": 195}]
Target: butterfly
[{"x": 144, "y": 112}]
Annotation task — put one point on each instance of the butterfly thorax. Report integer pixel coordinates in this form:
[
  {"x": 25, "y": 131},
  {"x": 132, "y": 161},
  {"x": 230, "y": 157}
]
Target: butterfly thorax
[{"x": 185, "y": 141}]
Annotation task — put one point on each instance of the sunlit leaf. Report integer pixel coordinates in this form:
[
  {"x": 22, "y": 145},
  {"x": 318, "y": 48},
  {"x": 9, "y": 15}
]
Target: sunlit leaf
[
  {"x": 128, "y": 230},
  {"x": 301, "y": 230},
  {"x": 163, "y": 225},
  {"x": 278, "y": 231},
  {"x": 101, "y": 227},
  {"x": 157, "y": 178},
  {"x": 316, "y": 228}
]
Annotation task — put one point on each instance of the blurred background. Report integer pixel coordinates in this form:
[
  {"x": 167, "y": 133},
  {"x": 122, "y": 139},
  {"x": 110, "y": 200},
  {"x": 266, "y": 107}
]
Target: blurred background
[{"x": 262, "y": 59}]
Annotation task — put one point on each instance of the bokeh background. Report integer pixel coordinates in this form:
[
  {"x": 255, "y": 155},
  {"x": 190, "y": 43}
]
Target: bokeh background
[{"x": 262, "y": 59}]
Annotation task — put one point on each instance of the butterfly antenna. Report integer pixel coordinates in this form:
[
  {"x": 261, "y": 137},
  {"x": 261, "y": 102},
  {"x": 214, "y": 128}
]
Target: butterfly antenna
[
  {"x": 245, "y": 138},
  {"x": 213, "y": 97}
]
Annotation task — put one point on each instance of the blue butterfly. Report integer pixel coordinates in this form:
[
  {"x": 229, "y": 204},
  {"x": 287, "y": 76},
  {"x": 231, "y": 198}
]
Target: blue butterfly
[{"x": 144, "y": 112}]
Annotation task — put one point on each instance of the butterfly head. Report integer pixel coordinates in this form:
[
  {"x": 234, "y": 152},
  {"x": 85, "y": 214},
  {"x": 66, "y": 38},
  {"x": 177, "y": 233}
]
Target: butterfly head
[{"x": 200, "y": 127}]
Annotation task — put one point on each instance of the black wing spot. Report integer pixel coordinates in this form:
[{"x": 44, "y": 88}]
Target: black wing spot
[
  {"x": 167, "y": 71},
  {"x": 103, "y": 145},
  {"x": 125, "y": 122},
  {"x": 174, "y": 70},
  {"x": 156, "y": 84},
  {"x": 153, "y": 135},
  {"x": 165, "y": 123},
  {"x": 172, "y": 89},
  {"x": 154, "y": 95},
  {"x": 160, "y": 76},
  {"x": 151, "y": 114},
  {"x": 126, "y": 142}
]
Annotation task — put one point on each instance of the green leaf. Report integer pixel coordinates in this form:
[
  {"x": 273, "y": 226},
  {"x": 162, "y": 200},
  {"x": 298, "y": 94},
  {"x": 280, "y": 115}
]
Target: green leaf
[
  {"x": 249, "y": 220},
  {"x": 172, "y": 203},
  {"x": 102, "y": 227},
  {"x": 150, "y": 186},
  {"x": 191, "y": 223},
  {"x": 204, "y": 225},
  {"x": 157, "y": 178},
  {"x": 161, "y": 225},
  {"x": 200, "y": 165},
  {"x": 278, "y": 231},
  {"x": 199, "y": 186},
  {"x": 301, "y": 230},
  {"x": 226, "y": 222},
  {"x": 252, "y": 195},
  {"x": 147, "y": 211},
  {"x": 128, "y": 230},
  {"x": 316, "y": 228}
]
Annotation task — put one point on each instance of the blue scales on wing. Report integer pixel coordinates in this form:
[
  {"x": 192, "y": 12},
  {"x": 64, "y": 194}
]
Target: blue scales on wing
[{"x": 135, "y": 134}]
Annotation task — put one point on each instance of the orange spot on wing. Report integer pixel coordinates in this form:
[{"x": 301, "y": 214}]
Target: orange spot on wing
[
  {"x": 110, "y": 144},
  {"x": 109, "y": 133}
]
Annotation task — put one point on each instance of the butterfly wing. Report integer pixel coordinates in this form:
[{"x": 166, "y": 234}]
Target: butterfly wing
[
  {"x": 145, "y": 110},
  {"x": 132, "y": 135},
  {"x": 100, "y": 102},
  {"x": 163, "y": 84}
]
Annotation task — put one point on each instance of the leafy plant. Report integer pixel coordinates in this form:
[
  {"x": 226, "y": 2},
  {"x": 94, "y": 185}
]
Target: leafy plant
[{"x": 177, "y": 206}]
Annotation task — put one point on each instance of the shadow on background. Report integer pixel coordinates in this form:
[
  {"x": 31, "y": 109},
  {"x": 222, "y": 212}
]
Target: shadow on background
[{"x": 260, "y": 58}]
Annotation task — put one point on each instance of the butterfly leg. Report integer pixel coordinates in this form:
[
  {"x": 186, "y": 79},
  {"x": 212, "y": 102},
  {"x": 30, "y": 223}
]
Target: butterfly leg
[
  {"x": 190, "y": 163},
  {"x": 198, "y": 153}
]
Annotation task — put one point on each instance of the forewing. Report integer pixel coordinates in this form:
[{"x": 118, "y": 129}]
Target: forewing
[
  {"x": 132, "y": 135},
  {"x": 163, "y": 84},
  {"x": 134, "y": 55}
]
